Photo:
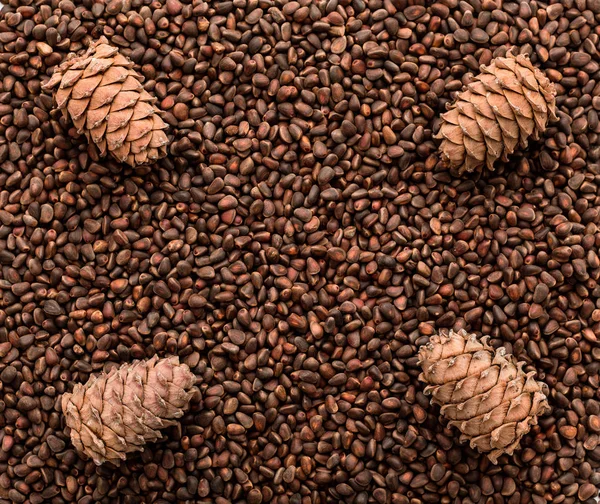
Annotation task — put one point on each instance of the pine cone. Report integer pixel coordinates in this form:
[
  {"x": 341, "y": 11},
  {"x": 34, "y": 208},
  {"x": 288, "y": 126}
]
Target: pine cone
[
  {"x": 105, "y": 99},
  {"x": 508, "y": 102},
  {"x": 483, "y": 392},
  {"x": 117, "y": 413}
]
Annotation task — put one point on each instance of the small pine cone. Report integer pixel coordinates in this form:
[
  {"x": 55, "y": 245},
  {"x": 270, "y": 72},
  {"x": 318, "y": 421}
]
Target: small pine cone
[
  {"x": 104, "y": 97},
  {"x": 483, "y": 392},
  {"x": 118, "y": 413},
  {"x": 508, "y": 102}
]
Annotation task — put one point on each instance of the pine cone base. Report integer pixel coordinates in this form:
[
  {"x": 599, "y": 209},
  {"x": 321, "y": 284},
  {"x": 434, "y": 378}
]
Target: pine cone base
[
  {"x": 103, "y": 95},
  {"x": 118, "y": 413},
  {"x": 509, "y": 102},
  {"x": 483, "y": 392}
]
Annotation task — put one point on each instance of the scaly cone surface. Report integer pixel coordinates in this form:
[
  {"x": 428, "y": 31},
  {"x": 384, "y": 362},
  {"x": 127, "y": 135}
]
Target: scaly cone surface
[
  {"x": 117, "y": 413},
  {"x": 506, "y": 104},
  {"x": 483, "y": 392},
  {"x": 103, "y": 95}
]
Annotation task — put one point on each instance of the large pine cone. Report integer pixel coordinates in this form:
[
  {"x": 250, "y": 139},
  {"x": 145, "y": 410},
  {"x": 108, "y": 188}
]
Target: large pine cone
[
  {"x": 508, "y": 102},
  {"x": 117, "y": 413},
  {"x": 105, "y": 99},
  {"x": 483, "y": 392}
]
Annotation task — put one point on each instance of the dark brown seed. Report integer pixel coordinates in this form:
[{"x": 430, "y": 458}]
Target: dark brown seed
[
  {"x": 437, "y": 472},
  {"x": 587, "y": 491},
  {"x": 568, "y": 431}
]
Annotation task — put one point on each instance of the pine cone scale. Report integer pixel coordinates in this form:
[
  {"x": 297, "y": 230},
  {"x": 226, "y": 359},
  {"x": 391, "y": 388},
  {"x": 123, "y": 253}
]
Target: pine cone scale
[{"x": 482, "y": 392}]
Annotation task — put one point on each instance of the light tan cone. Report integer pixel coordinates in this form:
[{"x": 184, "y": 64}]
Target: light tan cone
[
  {"x": 118, "y": 413},
  {"x": 103, "y": 95},
  {"x": 483, "y": 392},
  {"x": 509, "y": 102}
]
